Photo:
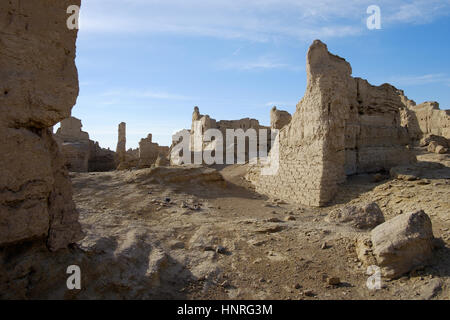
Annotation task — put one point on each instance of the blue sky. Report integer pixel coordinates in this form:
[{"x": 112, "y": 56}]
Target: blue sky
[{"x": 149, "y": 62}]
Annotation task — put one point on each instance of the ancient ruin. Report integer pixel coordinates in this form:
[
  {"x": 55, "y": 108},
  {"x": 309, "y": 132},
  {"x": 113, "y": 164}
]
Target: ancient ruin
[
  {"x": 143, "y": 157},
  {"x": 121, "y": 142},
  {"x": 81, "y": 153},
  {"x": 149, "y": 152},
  {"x": 356, "y": 208},
  {"x": 342, "y": 126},
  {"x": 279, "y": 118},
  {"x": 36, "y": 193},
  {"x": 228, "y": 142}
]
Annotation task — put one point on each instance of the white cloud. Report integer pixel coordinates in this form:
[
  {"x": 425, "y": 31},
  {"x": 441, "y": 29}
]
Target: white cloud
[
  {"x": 255, "y": 20},
  {"x": 259, "y": 63},
  {"x": 419, "y": 11},
  {"x": 413, "y": 80},
  {"x": 143, "y": 94}
]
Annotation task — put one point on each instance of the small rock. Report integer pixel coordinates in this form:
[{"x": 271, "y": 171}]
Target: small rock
[
  {"x": 432, "y": 288},
  {"x": 183, "y": 205},
  {"x": 362, "y": 216},
  {"x": 174, "y": 245},
  {"x": 402, "y": 243},
  {"x": 221, "y": 250},
  {"x": 271, "y": 229},
  {"x": 290, "y": 218},
  {"x": 309, "y": 293},
  {"x": 297, "y": 286},
  {"x": 273, "y": 220},
  {"x": 334, "y": 281}
]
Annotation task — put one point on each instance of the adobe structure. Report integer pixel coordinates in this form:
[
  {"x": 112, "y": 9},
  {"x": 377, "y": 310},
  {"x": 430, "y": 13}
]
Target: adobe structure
[
  {"x": 279, "y": 118},
  {"x": 425, "y": 119},
  {"x": 143, "y": 157},
  {"x": 150, "y": 151},
  {"x": 202, "y": 123},
  {"x": 80, "y": 153},
  {"x": 39, "y": 87},
  {"x": 342, "y": 126},
  {"x": 121, "y": 142}
]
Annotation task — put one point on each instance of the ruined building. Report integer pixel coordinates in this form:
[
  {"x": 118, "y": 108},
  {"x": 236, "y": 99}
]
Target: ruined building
[
  {"x": 39, "y": 87},
  {"x": 342, "y": 126},
  {"x": 121, "y": 142},
  {"x": 80, "y": 153},
  {"x": 425, "y": 119},
  {"x": 150, "y": 151},
  {"x": 279, "y": 118},
  {"x": 144, "y": 157},
  {"x": 202, "y": 123}
]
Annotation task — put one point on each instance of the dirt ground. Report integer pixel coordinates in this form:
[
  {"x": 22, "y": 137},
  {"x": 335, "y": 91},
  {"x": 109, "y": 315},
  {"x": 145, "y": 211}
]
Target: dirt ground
[{"x": 224, "y": 241}]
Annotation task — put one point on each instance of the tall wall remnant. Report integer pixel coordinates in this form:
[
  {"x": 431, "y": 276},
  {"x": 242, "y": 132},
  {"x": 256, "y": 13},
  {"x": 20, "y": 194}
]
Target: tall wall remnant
[
  {"x": 80, "y": 153},
  {"x": 121, "y": 142},
  {"x": 143, "y": 157},
  {"x": 39, "y": 88},
  {"x": 342, "y": 126},
  {"x": 279, "y": 118}
]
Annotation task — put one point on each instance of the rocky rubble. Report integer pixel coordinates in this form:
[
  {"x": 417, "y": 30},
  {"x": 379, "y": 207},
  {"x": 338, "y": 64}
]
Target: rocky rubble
[
  {"x": 364, "y": 216},
  {"x": 400, "y": 244}
]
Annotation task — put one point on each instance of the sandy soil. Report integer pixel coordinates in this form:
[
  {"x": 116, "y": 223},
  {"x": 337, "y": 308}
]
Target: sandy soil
[{"x": 224, "y": 241}]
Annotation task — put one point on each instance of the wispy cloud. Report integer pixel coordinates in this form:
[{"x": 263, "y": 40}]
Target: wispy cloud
[
  {"x": 413, "y": 80},
  {"x": 143, "y": 94},
  {"x": 255, "y": 20},
  {"x": 259, "y": 63},
  {"x": 418, "y": 11}
]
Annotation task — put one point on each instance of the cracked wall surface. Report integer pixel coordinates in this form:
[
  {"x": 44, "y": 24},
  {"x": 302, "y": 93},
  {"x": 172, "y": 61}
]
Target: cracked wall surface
[
  {"x": 39, "y": 86},
  {"x": 342, "y": 126}
]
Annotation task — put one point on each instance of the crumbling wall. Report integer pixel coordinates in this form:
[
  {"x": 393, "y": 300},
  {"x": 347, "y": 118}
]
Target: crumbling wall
[
  {"x": 80, "y": 153},
  {"x": 375, "y": 139},
  {"x": 343, "y": 125},
  {"x": 432, "y": 120},
  {"x": 279, "y": 118},
  {"x": 206, "y": 122},
  {"x": 149, "y": 152},
  {"x": 424, "y": 119},
  {"x": 125, "y": 159},
  {"x": 74, "y": 144},
  {"x": 143, "y": 157},
  {"x": 101, "y": 159},
  {"x": 70, "y": 130},
  {"x": 121, "y": 142},
  {"x": 38, "y": 89}
]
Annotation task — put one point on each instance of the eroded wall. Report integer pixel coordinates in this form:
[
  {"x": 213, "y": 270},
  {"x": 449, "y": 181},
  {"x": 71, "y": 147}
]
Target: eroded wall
[
  {"x": 38, "y": 89},
  {"x": 342, "y": 126}
]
